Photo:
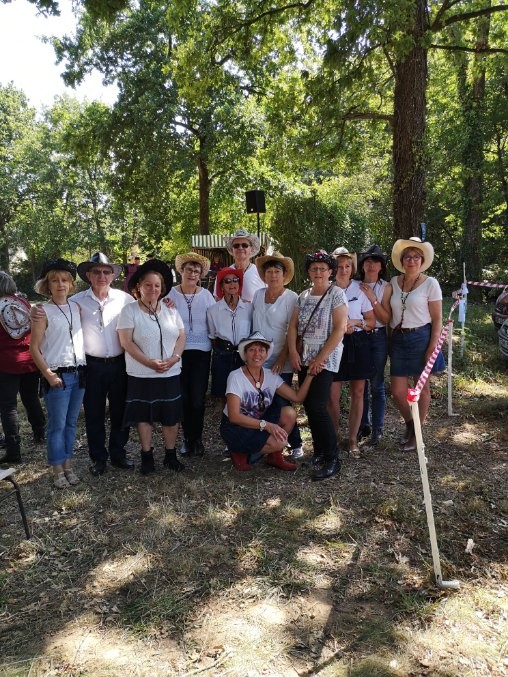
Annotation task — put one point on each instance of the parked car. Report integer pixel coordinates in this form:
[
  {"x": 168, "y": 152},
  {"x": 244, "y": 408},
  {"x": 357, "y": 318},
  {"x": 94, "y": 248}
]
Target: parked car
[
  {"x": 500, "y": 312},
  {"x": 503, "y": 338}
]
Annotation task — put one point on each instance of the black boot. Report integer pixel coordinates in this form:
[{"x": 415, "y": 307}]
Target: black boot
[
  {"x": 410, "y": 443},
  {"x": 409, "y": 430},
  {"x": 171, "y": 461},
  {"x": 199, "y": 448},
  {"x": 329, "y": 468},
  {"x": 10, "y": 458},
  {"x": 147, "y": 462}
]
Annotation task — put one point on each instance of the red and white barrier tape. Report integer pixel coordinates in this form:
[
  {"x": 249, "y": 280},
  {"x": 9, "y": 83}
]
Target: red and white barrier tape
[
  {"x": 490, "y": 285},
  {"x": 413, "y": 394}
]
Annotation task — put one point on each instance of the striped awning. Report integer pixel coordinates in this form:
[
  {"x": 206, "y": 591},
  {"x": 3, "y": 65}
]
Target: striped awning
[{"x": 217, "y": 241}]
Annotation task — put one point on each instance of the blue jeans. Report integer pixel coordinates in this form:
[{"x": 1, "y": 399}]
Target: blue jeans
[
  {"x": 294, "y": 437},
  {"x": 63, "y": 405},
  {"x": 324, "y": 437},
  {"x": 376, "y": 385}
]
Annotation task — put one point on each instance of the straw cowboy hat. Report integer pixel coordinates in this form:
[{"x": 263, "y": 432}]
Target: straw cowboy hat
[
  {"x": 243, "y": 235},
  {"x": 342, "y": 251},
  {"x": 426, "y": 249},
  {"x": 98, "y": 259},
  {"x": 276, "y": 257},
  {"x": 192, "y": 257},
  {"x": 256, "y": 337}
]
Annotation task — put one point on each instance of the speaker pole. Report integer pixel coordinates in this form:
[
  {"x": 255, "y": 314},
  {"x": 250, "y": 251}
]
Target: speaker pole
[{"x": 258, "y": 224}]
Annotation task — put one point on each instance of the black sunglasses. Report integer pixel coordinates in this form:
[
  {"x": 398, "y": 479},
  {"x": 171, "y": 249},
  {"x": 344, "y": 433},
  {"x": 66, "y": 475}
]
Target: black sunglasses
[
  {"x": 229, "y": 280},
  {"x": 243, "y": 245}
]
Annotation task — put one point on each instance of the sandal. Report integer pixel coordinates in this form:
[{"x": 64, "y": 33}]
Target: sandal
[
  {"x": 71, "y": 477},
  {"x": 354, "y": 452},
  {"x": 60, "y": 481}
]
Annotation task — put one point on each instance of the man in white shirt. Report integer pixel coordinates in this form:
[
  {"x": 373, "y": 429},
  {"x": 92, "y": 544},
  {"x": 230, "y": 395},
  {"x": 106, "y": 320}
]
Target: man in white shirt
[{"x": 105, "y": 375}]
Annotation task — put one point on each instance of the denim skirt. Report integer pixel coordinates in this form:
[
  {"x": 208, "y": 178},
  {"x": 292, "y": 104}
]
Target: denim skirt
[
  {"x": 357, "y": 361},
  {"x": 407, "y": 352},
  {"x": 248, "y": 440}
]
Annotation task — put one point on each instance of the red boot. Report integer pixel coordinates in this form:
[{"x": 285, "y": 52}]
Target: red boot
[
  {"x": 277, "y": 459},
  {"x": 240, "y": 461}
]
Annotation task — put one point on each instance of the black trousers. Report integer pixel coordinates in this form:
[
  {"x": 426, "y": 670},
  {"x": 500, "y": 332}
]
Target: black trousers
[
  {"x": 194, "y": 384},
  {"x": 27, "y": 385},
  {"x": 324, "y": 437},
  {"x": 105, "y": 381}
]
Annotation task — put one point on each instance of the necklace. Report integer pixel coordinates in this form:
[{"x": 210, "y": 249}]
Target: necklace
[
  {"x": 257, "y": 382},
  {"x": 70, "y": 323},
  {"x": 404, "y": 295},
  {"x": 152, "y": 314},
  {"x": 189, "y": 301},
  {"x": 272, "y": 298}
]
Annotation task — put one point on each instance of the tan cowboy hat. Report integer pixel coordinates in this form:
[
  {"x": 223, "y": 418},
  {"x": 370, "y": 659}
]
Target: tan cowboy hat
[
  {"x": 276, "y": 257},
  {"x": 192, "y": 257},
  {"x": 243, "y": 235},
  {"x": 426, "y": 249},
  {"x": 342, "y": 251}
]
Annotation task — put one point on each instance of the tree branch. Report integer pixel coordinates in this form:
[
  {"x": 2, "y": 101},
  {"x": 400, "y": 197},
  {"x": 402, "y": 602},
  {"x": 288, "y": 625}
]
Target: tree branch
[
  {"x": 368, "y": 115},
  {"x": 466, "y": 16},
  {"x": 476, "y": 50}
]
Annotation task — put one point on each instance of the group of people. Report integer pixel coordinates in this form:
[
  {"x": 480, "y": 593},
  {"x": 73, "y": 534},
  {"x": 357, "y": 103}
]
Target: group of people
[{"x": 149, "y": 352}]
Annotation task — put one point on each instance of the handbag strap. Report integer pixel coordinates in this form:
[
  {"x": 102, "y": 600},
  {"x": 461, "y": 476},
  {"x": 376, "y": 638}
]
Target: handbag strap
[{"x": 315, "y": 308}]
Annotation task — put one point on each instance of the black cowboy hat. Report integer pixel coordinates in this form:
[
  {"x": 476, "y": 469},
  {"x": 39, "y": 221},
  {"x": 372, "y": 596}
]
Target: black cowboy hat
[
  {"x": 58, "y": 264},
  {"x": 153, "y": 266}
]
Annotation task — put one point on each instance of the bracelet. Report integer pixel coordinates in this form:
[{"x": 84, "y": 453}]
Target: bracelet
[
  {"x": 177, "y": 355},
  {"x": 374, "y": 303}
]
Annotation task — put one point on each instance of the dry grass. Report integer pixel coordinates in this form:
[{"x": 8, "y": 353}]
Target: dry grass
[{"x": 214, "y": 572}]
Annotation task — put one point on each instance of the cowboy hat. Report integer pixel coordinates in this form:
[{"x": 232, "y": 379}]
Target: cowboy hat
[
  {"x": 256, "y": 337},
  {"x": 320, "y": 256},
  {"x": 58, "y": 264},
  {"x": 276, "y": 258},
  {"x": 426, "y": 249},
  {"x": 342, "y": 251},
  {"x": 98, "y": 259},
  {"x": 224, "y": 272},
  {"x": 192, "y": 257},
  {"x": 373, "y": 252},
  {"x": 242, "y": 235},
  {"x": 153, "y": 266}
]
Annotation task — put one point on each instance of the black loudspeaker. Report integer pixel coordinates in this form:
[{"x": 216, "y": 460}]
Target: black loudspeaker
[{"x": 255, "y": 201}]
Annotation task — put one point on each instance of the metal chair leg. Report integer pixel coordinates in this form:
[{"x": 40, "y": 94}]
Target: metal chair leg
[{"x": 21, "y": 506}]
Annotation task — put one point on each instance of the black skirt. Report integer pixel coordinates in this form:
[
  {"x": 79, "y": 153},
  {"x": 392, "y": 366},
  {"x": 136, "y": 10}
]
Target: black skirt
[
  {"x": 153, "y": 400},
  {"x": 357, "y": 361}
]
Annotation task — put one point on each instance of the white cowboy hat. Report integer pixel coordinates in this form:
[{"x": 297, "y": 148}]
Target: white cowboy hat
[
  {"x": 426, "y": 249},
  {"x": 256, "y": 337},
  {"x": 276, "y": 257},
  {"x": 243, "y": 235},
  {"x": 192, "y": 257},
  {"x": 342, "y": 251}
]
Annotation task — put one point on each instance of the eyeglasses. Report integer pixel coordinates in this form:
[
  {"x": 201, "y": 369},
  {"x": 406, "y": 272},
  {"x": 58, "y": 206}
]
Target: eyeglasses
[
  {"x": 319, "y": 269},
  {"x": 192, "y": 271},
  {"x": 94, "y": 271},
  {"x": 229, "y": 280},
  {"x": 243, "y": 245},
  {"x": 416, "y": 257}
]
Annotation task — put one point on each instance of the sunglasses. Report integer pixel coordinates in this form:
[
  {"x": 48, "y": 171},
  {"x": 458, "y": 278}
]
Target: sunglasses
[
  {"x": 94, "y": 271},
  {"x": 243, "y": 245},
  {"x": 229, "y": 280}
]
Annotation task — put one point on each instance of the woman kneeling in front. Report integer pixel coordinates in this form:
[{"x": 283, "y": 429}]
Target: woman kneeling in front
[{"x": 252, "y": 426}]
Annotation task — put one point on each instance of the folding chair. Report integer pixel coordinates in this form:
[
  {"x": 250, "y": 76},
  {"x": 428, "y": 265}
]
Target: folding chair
[{"x": 8, "y": 476}]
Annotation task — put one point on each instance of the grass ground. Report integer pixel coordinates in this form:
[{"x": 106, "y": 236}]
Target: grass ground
[{"x": 214, "y": 572}]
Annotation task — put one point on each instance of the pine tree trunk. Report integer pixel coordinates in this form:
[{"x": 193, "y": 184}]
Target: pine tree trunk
[{"x": 409, "y": 131}]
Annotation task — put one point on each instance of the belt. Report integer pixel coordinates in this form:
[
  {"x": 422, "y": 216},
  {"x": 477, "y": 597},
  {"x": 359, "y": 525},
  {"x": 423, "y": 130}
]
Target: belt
[
  {"x": 69, "y": 370},
  {"x": 105, "y": 360},
  {"x": 221, "y": 344},
  {"x": 376, "y": 330},
  {"x": 410, "y": 330}
]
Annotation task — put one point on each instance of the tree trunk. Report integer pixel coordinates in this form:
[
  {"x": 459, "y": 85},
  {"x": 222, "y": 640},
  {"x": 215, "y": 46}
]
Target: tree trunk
[
  {"x": 5, "y": 259},
  {"x": 409, "y": 131},
  {"x": 473, "y": 158},
  {"x": 204, "y": 189}
]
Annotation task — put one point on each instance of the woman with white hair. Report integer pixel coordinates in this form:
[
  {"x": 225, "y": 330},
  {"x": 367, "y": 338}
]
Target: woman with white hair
[
  {"x": 416, "y": 305},
  {"x": 244, "y": 246}
]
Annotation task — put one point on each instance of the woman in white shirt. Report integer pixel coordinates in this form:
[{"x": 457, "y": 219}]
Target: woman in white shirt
[
  {"x": 57, "y": 348},
  {"x": 192, "y": 302},
  {"x": 356, "y": 363},
  {"x": 153, "y": 337},
  {"x": 244, "y": 246},
  {"x": 272, "y": 309},
  {"x": 416, "y": 305}
]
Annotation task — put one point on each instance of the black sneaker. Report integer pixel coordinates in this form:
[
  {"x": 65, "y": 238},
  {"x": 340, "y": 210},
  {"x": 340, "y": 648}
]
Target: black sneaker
[
  {"x": 364, "y": 431},
  {"x": 97, "y": 469}
]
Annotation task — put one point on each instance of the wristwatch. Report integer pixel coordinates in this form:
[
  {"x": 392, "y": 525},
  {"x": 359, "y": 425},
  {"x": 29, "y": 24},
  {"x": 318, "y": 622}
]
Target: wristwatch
[{"x": 262, "y": 424}]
